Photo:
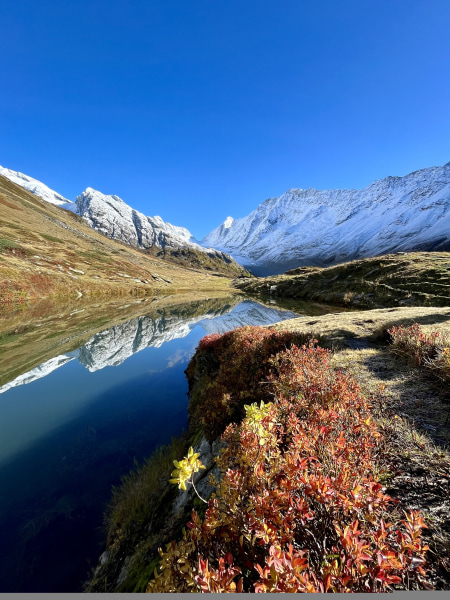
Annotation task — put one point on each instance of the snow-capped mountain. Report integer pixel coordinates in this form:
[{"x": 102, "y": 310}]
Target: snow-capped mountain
[
  {"x": 36, "y": 187},
  {"x": 311, "y": 227},
  {"x": 113, "y": 217},
  {"x": 301, "y": 227}
]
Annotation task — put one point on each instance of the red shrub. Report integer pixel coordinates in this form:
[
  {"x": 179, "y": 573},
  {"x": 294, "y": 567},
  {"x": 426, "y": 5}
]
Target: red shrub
[{"x": 297, "y": 508}]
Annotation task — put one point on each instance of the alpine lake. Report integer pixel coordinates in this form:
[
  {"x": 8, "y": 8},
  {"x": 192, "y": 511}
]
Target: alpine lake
[{"x": 87, "y": 391}]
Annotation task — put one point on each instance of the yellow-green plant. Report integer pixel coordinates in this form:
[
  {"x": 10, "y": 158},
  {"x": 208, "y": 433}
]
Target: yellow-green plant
[{"x": 185, "y": 469}]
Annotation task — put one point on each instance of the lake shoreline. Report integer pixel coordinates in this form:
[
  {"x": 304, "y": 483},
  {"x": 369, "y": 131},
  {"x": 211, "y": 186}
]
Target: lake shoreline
[{"x": 358, "y": 340}]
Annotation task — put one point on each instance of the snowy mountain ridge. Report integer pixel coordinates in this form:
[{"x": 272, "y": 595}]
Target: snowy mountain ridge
[
  {"x": 300, "y": 227},
  {"x": 35, "y": 187},
  {"x": 113, "y": 217},
  {"x": 311, "y": 227}
]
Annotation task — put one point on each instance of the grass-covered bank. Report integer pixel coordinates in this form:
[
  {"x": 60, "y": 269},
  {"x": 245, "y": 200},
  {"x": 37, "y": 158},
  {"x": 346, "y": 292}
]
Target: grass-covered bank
[
  {"x": 403, "y": 279},
  {"x": 343, "y": 422},
  {"x": 46, "y": 251}
]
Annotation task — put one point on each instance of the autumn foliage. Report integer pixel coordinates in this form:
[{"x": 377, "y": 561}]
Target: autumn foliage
[
  {"x": 298, "y": 507},
  {"x": 240, "y": 363}
]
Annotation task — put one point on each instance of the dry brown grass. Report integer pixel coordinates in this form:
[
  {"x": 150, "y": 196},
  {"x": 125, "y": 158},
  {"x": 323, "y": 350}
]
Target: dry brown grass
[
  {"x": 402, "y": 279},
  {"x": 48, "y": 251}
]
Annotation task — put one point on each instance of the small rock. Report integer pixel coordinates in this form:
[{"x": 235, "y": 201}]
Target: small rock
[{"x": 76, "y": 271}]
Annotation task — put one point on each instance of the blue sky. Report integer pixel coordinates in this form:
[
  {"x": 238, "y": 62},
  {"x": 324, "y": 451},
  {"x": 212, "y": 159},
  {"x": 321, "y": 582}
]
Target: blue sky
[{"x": 196, "y": 110}]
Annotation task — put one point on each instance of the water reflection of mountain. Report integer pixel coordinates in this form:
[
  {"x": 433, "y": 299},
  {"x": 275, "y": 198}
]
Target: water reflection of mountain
[
  {"x": 246, "y": 313},
  {"x": 113, "y": 346}
]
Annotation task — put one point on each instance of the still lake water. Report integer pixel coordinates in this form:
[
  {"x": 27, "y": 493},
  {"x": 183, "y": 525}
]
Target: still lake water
[{"x": 72, "y": 426}]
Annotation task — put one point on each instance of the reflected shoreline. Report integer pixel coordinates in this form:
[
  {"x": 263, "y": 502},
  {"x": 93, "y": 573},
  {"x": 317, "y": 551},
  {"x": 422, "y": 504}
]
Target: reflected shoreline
[
  {"x": 33, "y": 339},
  {"x": 34, "y": 336}
]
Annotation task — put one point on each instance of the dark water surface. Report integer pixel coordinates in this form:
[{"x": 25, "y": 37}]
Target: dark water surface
[{"x": 72, "y": 426}]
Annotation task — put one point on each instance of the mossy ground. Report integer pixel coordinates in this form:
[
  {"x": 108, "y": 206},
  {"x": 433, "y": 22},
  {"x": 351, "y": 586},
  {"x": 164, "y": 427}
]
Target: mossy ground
[{"x": 403, "y": 279}]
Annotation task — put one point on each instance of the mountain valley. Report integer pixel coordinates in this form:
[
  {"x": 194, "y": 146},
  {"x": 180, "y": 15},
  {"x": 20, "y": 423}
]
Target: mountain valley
[
  {"x": 48, "y": 251},
  {"x": 299, "y": 228}
]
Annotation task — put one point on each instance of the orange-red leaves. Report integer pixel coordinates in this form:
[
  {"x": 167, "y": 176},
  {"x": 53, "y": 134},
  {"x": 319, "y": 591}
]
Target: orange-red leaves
[{"x": 301, "y": 512}]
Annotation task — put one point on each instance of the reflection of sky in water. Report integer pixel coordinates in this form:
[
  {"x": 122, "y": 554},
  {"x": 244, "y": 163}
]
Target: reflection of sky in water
[
  {"x": 36, "y": 409},
  {"x": 65, "y": 438}
]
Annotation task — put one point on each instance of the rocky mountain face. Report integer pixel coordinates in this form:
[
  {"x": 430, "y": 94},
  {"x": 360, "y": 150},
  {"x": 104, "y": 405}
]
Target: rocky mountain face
[
  {"x": 300, "y": 228},
  {"x": 114, "y": 218},
  {"x": 322, "y": 228}
]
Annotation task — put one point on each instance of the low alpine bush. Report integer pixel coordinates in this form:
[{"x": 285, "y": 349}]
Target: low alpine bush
[{"x": 297, "y": 506}]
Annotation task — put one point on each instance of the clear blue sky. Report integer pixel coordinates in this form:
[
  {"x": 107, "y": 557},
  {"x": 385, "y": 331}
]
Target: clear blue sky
[{"x": 199, "y": 109}]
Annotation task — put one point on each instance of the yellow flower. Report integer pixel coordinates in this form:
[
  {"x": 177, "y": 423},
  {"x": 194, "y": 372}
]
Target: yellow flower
[
  {"x": 184, "y": 469},
  {"x": 254, "y": 415}
]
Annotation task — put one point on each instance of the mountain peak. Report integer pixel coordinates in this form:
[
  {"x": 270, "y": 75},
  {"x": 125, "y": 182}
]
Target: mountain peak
[{"x": 321, "y": 228}]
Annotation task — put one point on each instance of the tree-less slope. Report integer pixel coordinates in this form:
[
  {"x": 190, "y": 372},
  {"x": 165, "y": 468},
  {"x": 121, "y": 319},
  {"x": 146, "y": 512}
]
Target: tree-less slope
[
  {"x": 114, "y": 218},
  {"x": 409, "y": 279},
  {"x": 48, "y": 251}
]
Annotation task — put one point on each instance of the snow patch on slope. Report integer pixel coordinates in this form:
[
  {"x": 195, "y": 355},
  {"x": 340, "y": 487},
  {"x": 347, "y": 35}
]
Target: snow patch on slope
[{"x": 36, "y": 187}]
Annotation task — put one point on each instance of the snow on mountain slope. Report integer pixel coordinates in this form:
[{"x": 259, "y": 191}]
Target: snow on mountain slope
[
  {"x": 113, "y": 217},
  {"x": 311, "y": 227},
  {"x": 36, "y": 187}
]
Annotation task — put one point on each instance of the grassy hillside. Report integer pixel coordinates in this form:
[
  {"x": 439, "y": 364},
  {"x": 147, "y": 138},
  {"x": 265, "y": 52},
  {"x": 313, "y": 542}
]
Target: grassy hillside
[
  {"x": 48, "y": 251},
  {"x": 409, "y": 279},
  {"x": 196, "y": 259}
]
